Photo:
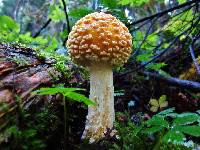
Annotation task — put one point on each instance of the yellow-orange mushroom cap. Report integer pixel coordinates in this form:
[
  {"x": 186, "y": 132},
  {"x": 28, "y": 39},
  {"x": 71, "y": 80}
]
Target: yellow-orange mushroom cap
[{"x": 99, "y": 37}]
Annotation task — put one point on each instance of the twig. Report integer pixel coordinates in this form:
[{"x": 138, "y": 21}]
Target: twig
[
  {"x": 67, "y": 20},
  {"x": 191, "y": 48},
  {"x": 144, "y": 39},
  {"x": 146, "y": 35},
  {"x": 175, "y": 81},
  {"x": 164, "y": 12},
  {"x": 42, "y": 28},
  {"x": 163, "y": 51}
]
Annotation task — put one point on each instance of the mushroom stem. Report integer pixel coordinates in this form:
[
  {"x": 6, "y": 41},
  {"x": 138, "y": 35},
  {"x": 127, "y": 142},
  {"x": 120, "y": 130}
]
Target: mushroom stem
[{"x": 101, "y": 116}]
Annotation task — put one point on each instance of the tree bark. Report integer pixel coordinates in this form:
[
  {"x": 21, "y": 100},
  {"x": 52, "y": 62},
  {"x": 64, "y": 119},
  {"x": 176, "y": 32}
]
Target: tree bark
[{"x": 21, "y": 72}]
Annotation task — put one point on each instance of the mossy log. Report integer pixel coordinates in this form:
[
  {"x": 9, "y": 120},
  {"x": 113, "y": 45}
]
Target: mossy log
[{"x": 22, "y": 72}]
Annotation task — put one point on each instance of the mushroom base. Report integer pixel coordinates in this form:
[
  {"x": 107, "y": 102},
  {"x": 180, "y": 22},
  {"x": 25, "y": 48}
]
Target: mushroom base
[{"x": 100, "y": 118}]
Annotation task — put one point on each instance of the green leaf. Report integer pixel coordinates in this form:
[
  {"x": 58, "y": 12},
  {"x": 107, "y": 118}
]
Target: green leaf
[
  {"x": 138, "y": 37},
  {"x": 187, "y": 114},
  {"x": 67, "y": 92},
  {"x": 182, "y": 1},
  {"x": 133, "y": 3},
  {"x": 153, "y": 39},
  {"x": 198, "y": 111},
  {"x": 153, "y": 102},
  {"x": 8, "y": 24},
  {"x": 164, "y": 104},
  {"x": 155, "y": 66},
  {"x": 174, "y": 137},
  {"x": 153, "y": 129},
  {"x": 191, "y": 130},
  {"x": 13, "y": 130},
  {"x": 163, "y": 73},
  {"x": 25, "y": 38},
  {"x": 79, "y": 97},
  {"x": 167, "y": 111},
  {"x": 80, "y": 12},
  {"x": 144, "y": 57},
  {"x": 111, "y": 4},
  {"x": 40, "y": 40},
  {"x": 61, "y": 90},
  {"x": 4, "y": 106},
  {"x": 162, "y": 99},
  {"x": 56, "y": 13},
  {"x": 173, "y": 115},
  {"x": 120, "y": 15},
  {"x": 187, "y": 119},
  {"x": 157, "y": 121},
  {"x": 165, "y": 45},
  {"x": 154, "y": 108},
  {"x": 52, "y": 46},
  {"x": 64, "y": 34},
  {"x": 30, "y": 133}
]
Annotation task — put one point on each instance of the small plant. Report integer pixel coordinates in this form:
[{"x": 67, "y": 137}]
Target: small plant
[
  {"x": 23, "y": 130},
  {"x": 31, "y": 129},
  {"x": 172, "y": 127},
  {"x": 159, "y": 104},
  {"x": 68, "y": 94},
  {"x": 131, "y": 136}
]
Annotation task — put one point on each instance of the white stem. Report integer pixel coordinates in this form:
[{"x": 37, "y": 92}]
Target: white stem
[{"x": 101, "y": 116}]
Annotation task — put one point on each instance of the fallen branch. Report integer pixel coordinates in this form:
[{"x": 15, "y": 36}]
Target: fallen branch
[
  {"x": 42, "y": 28},
  {"x": 175, "y": 81}
]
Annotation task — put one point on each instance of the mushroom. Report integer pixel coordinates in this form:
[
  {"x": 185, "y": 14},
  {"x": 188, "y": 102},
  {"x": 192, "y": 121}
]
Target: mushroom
[{"x": 100, "y": 42}]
